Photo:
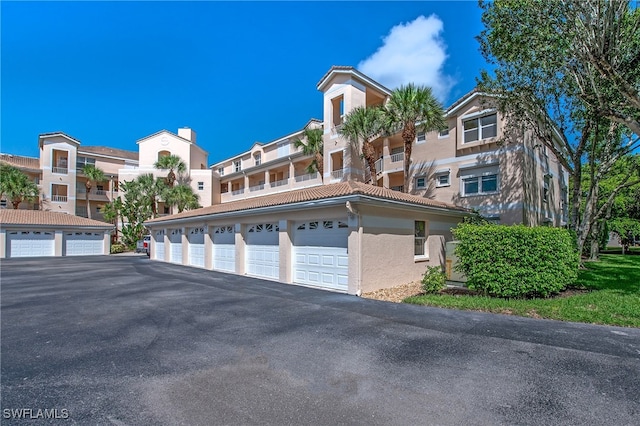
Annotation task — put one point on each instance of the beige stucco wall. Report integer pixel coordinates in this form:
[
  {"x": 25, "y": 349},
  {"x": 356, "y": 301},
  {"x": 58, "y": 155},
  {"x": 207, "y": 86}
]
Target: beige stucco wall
[
  {"x": 48, "y": 146},
  {"x": 387, "y": 247},
  {"x": 164, "y": 141}
]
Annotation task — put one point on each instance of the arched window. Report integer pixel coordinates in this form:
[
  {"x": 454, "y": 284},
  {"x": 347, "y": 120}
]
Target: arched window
[{"x": 163, "y": 154}]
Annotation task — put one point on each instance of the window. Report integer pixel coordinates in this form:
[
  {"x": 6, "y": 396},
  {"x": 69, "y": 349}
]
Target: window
[
  {"x": 420, "y": 238},
  {"x": 3, "y": 203},
  {"x": 83, "y": 161},
  {"x": 480, "y": 185},
  {"x": 221, "y": 171},
  {"x": 442, "y": 179},
  {"x": 257, "y": 157},
  {"x": 237, "y": 165},
  {"x": 421, "y": 182},
  {"x": 421, "y": 137},
  {"x": 200, "y": 186},
  {"x": 283, "y": 149},
  {"x": 545, "y": 189},
  {"x": 443, "y": 134},
  {"x": 480, "y": 128}
]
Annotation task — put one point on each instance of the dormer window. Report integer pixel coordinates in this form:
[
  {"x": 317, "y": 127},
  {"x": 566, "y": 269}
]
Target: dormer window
[
  {"x": 257, "y": 158},
  {"x": 479, "y": 128},
  {"x": 237, "y": 165},
  {"x": 221, "y": 171}
]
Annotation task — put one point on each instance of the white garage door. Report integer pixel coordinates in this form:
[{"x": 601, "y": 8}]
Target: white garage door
[
  {"x": 83, "y": 243},
  {"x": 158, "y": 253},
  {"x": 320, "y": 254},
  {"x": 196, "y": 247},
  {"x": 224, "y": 248},
  {"x": 175, "y": 246},
  {"x": 263, "y": 253},
  {"x": 30, "y": 243}
]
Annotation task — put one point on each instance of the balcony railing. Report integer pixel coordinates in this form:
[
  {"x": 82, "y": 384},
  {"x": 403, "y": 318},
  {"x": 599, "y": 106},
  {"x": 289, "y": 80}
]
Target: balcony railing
[
  {"x": 60, "y": 170},
  {"x": 278, "y": 183},
  {"x": 397, "y": 157},
  {"x": 337, "y": 174},
  {"x": 308, "y": 176},
  {"x": 379, "y": 165},
  {"x": 59, "y": 198},
  {"x": 238, "y": 191},
  {"x": 254, "y": 188},
  {"x": 398, "y": 188}
]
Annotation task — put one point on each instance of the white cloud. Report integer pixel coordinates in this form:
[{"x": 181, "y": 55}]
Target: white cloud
[{"x": 411, "y": 53}]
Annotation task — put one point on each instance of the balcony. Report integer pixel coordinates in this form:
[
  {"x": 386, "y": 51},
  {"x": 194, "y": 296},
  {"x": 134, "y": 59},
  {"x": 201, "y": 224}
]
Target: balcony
[
  {"x": 399, "y": 188},
  {"x": 278, "y": 183},
  {"x": 94, "y": 194},
  {"x": 60, "y": 170},
  {"x": 238, "y": 191},
  {"x": 337, "y": 174},
  {"x": 255, "y": 188},
  {"x": 306, "y": 177},
  {"x": 59, "y": 198},
  {"x": 397, "y": 157}
]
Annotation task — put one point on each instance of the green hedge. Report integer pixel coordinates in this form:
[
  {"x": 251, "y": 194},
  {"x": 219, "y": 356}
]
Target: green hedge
[{"x": 516, "y": 261}]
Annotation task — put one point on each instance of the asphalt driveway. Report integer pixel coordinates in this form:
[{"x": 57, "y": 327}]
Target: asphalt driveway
[{"x": 129, "y": 341}]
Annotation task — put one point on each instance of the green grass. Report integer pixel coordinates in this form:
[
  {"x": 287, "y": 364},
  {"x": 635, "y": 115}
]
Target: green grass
[{"x": 613, "y": 297}]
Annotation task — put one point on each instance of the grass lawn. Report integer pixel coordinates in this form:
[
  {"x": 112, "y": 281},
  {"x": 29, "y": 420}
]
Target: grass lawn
[{"x": 612, "y": 297}]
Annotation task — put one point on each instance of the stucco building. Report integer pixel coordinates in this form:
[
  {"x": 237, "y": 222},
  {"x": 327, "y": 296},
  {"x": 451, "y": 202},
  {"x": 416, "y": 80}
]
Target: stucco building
[{"x": 265, "y": 215}]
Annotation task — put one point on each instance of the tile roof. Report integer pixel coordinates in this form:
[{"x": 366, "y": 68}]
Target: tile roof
[
  {"x": 320, "y": 192},
  {"x": 20, "y": 161},
  {"x": 44, "y": 135},
  {"x": 112, "y": 152},
  {"x": 46, "y": 218}
]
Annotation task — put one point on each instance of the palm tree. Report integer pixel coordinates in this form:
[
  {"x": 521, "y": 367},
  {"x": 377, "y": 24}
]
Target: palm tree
[
  {"x": 174, "y": 164},
  {"x": 16, "y": 186},
  {"x": 314, "y": 146},
  {"x": 412, "y": 107},
  {"x": 112, "y": 212},
  {"x": 93, "y": 175},
  {"x": 183, "y": 197},
  {"x": 360, "y": 125},
  {"x": 151, "y": 189}
]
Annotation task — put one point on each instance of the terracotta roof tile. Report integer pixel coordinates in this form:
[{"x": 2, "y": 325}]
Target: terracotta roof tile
[
  {"x": 312, "y": 194},
  {"x": 39, "y": 217}
]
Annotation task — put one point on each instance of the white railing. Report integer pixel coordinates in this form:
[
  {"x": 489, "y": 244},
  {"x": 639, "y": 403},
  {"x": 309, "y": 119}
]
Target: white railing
[
  {"x": 83, "y": 190},
  {"x": 397, "y": 157},
  {"x": 398, "y": 188},
  {"x": 379, "y": 165},
  {"x": 256, "y": 188},
  {"x": 337, "y": 174},
  {"x": 59, "y": 198},
  {"x": 308, "y": 176},
  {"x": 238, "y": 191},
  {"x": 279, "y": 183},
  {"x": 60, "y": 170}
]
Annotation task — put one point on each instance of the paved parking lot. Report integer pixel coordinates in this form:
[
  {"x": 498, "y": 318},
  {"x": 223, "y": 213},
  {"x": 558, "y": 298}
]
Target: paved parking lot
[{"x": 129, "y": 341}]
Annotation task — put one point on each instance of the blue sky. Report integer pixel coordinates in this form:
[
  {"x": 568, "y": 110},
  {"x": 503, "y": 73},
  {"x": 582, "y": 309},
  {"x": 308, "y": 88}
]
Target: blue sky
[{"x": 110, "y": 73}]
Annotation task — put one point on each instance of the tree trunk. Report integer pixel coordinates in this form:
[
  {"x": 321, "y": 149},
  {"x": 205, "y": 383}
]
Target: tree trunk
[
  {"x": 595, "y": 242},
  {"x": 16, "y": 203},
  {"x": 369, "y": 154},
  {"x": 408, "y": 135},
  {"x": 86, "y": 195},
  {"x": 320, "y": 165}
]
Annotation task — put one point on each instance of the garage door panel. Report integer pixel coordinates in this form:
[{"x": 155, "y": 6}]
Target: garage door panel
[
  {"x": 175, "y": 246},
  {"x": 83, "y": 244},
  {"x": 159, "y": 246},
  {"x": 224, "y": 257},
  {"x": 30, "y": 243},
  {"x": 263, "y": 251},
  {"x": 196, "y": 247},
  {"x": 320, "y": 253}
]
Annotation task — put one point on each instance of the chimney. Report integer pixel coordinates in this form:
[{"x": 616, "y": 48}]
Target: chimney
[{"x": 187, "y": 134}]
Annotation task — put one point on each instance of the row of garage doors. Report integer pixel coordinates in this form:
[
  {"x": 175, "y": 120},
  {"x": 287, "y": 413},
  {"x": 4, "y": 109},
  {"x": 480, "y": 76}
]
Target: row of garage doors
[
  {"x": 319, "y": 251},
  {"x": 42, "y": 243}
]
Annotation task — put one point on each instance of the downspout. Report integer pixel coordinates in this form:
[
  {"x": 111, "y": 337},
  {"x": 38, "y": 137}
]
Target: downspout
[{"x": 354, "y": 216}]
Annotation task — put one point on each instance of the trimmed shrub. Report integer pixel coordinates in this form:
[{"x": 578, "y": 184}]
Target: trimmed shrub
[
  {"x": 117, "y": 248},
  {"x": 433, "y": 279},
  {"x": 516, "y": 261}
]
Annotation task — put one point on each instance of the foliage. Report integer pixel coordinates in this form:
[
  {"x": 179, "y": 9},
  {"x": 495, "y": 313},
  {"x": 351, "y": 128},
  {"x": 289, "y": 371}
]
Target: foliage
[
  {"x": 433, "y": 280},
  {"x": 151, "y": 188},
  {"x": 118, "y": 248},
  {"x": 607, "y": 292},
  {"x": 412, "y": 108},
  {"x": 475, "y": 219},
  {"x": 516, "y": 261},
  {"x": 111, "y": 213},
  {"x": 183, "y": 197},
  {"x": 93, "y": 175},
  {"x": 172, "y": 163},
  {"x": 574, "y": 86},
  {"x": 135, "y": 209},
  {"x": 314, "y": 146},
  {"x": 16, "y": 186},
  {"x": 360, "y": 126}
]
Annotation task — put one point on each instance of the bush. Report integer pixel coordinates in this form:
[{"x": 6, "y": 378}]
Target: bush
[
  {"x": 118, "y": 248},
  {"x": 433, "y": 279},
  {"x": 516, "y": 261}
]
